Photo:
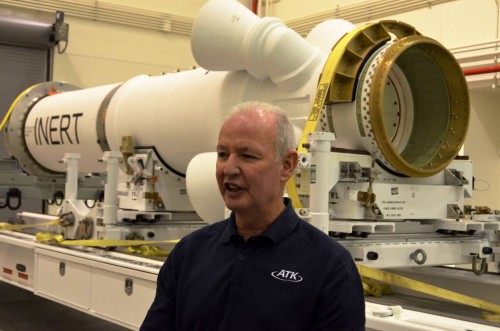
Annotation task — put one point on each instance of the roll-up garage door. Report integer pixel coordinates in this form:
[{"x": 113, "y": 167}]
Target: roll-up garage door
[{"x": 26, "y": 53}]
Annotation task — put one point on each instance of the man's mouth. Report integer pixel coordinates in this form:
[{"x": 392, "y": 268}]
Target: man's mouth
[{"x": 232, "y": 188}]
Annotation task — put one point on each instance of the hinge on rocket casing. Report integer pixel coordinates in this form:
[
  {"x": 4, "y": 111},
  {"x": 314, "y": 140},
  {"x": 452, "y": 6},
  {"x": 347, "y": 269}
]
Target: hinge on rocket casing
[
  {"x": 127, "y": 150},
  {"x": 455, "y": 212},
  {"x": 454, "y": 177},
  {"x": 353, "y": 172}
]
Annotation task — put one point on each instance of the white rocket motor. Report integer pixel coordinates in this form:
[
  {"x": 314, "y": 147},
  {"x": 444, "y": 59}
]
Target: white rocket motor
[{"x": 407, "y": 101}]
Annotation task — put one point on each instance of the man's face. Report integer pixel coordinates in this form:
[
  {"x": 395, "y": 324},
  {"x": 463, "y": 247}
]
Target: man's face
[{"x": 249, "y": 177}]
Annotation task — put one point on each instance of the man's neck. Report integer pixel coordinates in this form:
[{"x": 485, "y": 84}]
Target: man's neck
[{"x": 253, "y": 225}]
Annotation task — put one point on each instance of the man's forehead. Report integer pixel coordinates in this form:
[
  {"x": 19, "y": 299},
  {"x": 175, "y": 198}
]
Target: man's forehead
[
  {"x": 252, "y": 117},
  {"x": 245, "y": 129},
  {"x": 239, "y": 145}
]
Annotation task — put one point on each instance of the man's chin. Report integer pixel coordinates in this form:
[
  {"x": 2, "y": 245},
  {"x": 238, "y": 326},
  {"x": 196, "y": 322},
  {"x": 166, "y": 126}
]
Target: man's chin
[{"x": 235, "y": 204}]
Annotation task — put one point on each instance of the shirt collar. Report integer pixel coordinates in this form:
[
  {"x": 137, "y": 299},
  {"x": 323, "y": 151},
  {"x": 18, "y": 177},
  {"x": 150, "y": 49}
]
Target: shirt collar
[{"x": 278, "y": 231}]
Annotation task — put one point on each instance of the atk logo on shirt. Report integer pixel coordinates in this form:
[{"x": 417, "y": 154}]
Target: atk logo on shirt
[{"x": 287, "y": 276}]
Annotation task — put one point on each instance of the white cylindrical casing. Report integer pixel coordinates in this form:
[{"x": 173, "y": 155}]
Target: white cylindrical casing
[
  {"x": 326, "y": 34},
  {"x": 180, "y": 114},
  {"x": 202, "y": 187},
  {"x": 66, "y": 123},
  {"x": 225, "y": 34},
  {"x": 239, "y": 40}
]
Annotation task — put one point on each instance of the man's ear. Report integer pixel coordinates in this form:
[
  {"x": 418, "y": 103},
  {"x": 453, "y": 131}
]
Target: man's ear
[{"x": 289, "y": 163}]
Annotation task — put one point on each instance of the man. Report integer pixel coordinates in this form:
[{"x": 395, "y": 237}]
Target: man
[{"x": 263, "y": 268}]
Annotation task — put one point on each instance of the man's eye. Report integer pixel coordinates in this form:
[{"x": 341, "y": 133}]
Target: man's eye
[
  {"x": 249, "y": 156},
  {"x": 221, "y": 155}
]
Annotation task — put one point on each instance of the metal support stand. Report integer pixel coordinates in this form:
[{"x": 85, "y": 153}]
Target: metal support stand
[
  {"x": 110, "y": 207},
  {"x": 71, "y": 187},
  {"x": 320, "y": 145}
]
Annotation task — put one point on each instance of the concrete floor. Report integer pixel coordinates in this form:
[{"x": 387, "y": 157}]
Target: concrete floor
[{"x": 21, "y": 310}]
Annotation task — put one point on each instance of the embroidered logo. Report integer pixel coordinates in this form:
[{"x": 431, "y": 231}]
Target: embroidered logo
[{"x": 288, "y": 276}]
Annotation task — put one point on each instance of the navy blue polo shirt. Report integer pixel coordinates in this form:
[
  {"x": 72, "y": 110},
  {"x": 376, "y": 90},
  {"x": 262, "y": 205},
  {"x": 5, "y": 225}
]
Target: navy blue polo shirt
[{"x": 291, "y": 277}]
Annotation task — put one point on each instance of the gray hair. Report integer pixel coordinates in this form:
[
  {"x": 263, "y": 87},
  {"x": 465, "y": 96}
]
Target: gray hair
[{"x": 284, "y": 135}]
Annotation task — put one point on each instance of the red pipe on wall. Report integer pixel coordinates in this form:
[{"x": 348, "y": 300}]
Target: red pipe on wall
[
  {"x": 482, "y": 70},
  {"x": 254, "y": 6}
]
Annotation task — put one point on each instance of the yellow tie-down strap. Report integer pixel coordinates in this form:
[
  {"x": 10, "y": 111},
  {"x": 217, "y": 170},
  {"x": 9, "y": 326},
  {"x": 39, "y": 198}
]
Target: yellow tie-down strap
[
  {"x": 493, "y": 310},
  {"x": 18, "y": 227},
  {"x": 7, "y": 115},
  {"x": 141, "y": 247}
]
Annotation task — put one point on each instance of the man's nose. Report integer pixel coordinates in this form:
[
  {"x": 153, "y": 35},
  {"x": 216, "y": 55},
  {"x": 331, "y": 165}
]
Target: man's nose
[{"x": 231, "y": 166}]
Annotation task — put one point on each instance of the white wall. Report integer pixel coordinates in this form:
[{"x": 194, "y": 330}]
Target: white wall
[
  {"x": 101, "y": 53},
  {"x": 482, "y": 145},
  {"x": 177, "y": 7},
  {"x": 291, "y": 9},
  {"x": 453, "y": 23}
]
